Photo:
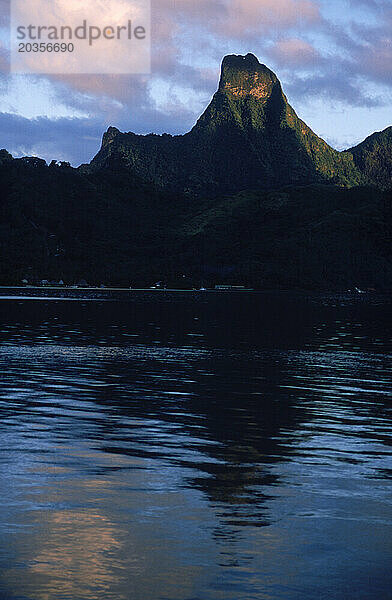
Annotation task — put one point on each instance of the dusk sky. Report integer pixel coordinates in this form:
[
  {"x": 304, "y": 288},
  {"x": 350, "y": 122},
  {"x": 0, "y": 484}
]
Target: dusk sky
[{"x": 333, "y": 57}]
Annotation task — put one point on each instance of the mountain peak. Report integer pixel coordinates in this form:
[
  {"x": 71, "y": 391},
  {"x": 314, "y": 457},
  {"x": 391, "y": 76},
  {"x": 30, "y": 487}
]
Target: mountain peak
[
  {"x": 243, "y": 76},
  {"x": 241, "y": 61},
  {"x": 247, "y": 137},
  {"x": 110, "y": 135}
]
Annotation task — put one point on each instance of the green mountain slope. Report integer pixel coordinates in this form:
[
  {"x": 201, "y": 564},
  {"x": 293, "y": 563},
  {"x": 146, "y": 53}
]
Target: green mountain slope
[
  {"x": 56, "y": 223},
  {"x": 248, "y": 137},
  {"x": 316, "y": 236},
  {"x": 108, "y": 226},
  {"x": 373, "y": 157}
]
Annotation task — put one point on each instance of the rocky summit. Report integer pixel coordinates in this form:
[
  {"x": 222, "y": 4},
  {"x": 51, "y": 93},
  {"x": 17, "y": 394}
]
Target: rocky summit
[{"x": 249, "y": 137}]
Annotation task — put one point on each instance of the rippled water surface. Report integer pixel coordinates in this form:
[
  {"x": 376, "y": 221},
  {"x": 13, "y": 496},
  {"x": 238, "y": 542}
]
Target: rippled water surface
[{"x": 196, "y": 447}]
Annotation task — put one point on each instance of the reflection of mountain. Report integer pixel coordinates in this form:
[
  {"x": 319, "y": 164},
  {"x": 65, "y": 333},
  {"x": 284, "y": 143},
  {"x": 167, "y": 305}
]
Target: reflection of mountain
[
  {"x": 152, "y": 439},
  {"x": 226, "y": 439},
  {"x": 208, "y": 407},
  {"x": 244, "y": 414},
  {"x": 214, "y": 413}
]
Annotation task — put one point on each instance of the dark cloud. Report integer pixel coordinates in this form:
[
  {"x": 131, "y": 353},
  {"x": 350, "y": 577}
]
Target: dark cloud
[
  {"x": 372, "y": 4},
  {"x": 77, "y": 140},
  {"x": 332, "y": 87}
]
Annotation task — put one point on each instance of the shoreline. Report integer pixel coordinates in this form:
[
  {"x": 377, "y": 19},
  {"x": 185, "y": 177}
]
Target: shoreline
[{"x": 117, "y": 293}]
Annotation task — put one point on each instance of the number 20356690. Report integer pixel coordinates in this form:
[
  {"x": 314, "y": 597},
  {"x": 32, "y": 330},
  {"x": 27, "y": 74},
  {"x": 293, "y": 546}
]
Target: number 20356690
[{"x": 45, "y": 47}]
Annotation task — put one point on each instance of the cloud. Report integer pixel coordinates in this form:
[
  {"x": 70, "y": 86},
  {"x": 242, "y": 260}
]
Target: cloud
[
  {"x": 372, "y": 4},
  {"x": 277, "y": 30},
  {"x": 349, "y": 62},
  {"x": 101, "y": 32},
  {"x": 373, "y": 55},
  {"x": 236, "y": 17},
  {"x": 254, "y": 16},
  {"x": 213, "y": 23},
  {"x": 294, "y": 52}
]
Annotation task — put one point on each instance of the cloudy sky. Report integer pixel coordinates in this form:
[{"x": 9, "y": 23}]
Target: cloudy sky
[{"x": 334, "y": 58}]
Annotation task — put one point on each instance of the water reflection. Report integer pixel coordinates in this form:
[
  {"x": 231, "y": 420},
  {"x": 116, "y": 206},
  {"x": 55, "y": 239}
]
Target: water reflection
[{"x": 152, "y": 451}]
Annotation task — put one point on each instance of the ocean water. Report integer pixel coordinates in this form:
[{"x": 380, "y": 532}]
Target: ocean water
[{"x": 200, "y": 446}]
